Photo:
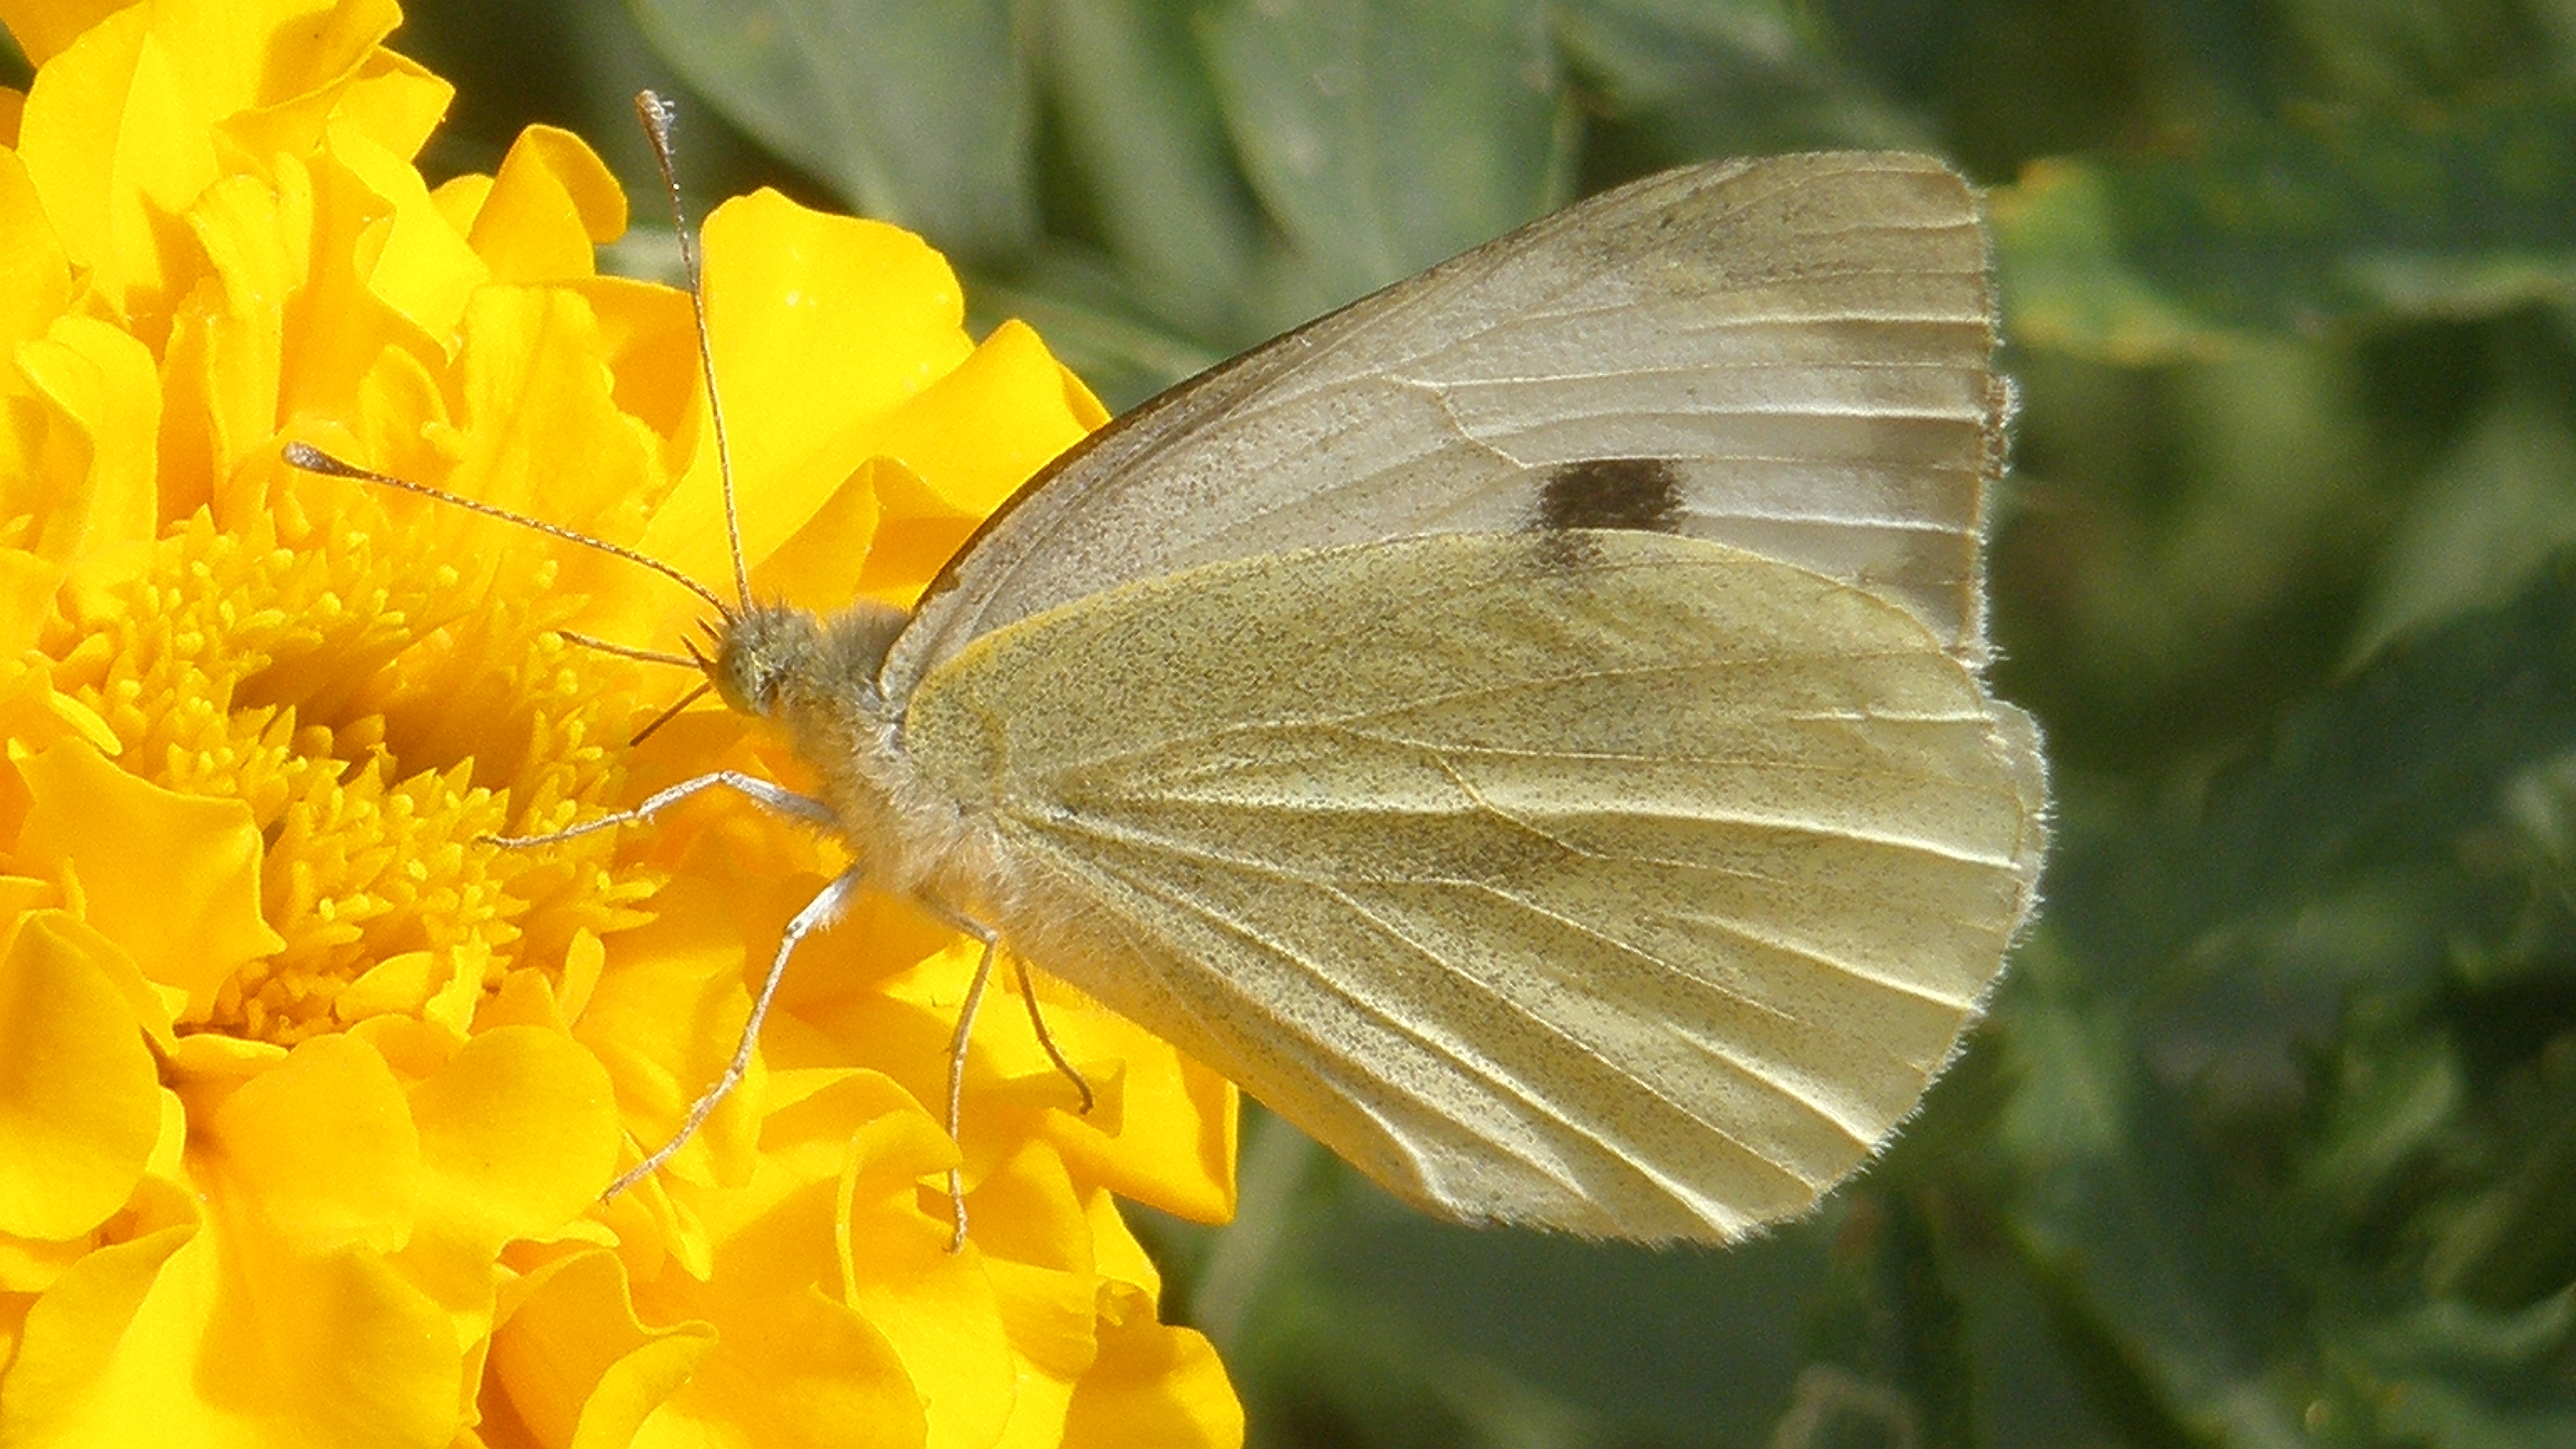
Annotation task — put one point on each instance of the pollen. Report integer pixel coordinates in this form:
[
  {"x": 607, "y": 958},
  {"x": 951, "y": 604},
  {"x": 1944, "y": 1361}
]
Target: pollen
[{"x": 383, "y": 720}]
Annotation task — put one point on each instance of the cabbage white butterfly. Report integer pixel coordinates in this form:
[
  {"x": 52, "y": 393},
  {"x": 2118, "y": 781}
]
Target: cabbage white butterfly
[{"x": 1526, "y": 728}]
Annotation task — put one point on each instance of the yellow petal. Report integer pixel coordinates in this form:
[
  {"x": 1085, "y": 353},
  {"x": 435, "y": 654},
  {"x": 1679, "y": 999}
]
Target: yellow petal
[
  {"x": 794, "y": 296},
  {"x": 171, "y": 878},
  {"x": 576, "y": 1364},
  {"x": 109, "y": 140},
  {"x": 34, "y": 715},
  {"x": 543, "y": 434},
  {"x": 802, "y": 1371},
  {"x": 63, "y": 1387},
  {"x": 1036, "y": 1242},
  {"x": 312, "y": 58},
  {"x": 1152, "y": 1387},
  {"x": 664, "y": 1018},
  {"x": 517, "y": 1136},
  {"x": 126, "y": 125},
  {"x": 977, "y": 434},
  {"x": 422, "y": 269},
  {"x": 1175, "y": 1140},
  {"x": 79, "y": 1103},
  {"x": 223, "y": 367},
  {"x": 819, "y": 567},
  {"x": 323, "y": 1147},
  {"x": 35, "y": 275},
  {"x": 937, "y": 1308},
  {"x": 393, "y": 99},
  {"x": 328, "y": 1352},
  {"x": 106, "y": 399},
  {"x": 551, "y": 201},
  {"x": 41, "y": 30},
  {"x": 967, "y": 443}
]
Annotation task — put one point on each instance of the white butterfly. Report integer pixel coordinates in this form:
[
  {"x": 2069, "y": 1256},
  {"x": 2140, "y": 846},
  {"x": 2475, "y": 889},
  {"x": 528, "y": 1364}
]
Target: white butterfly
[{"x": 1526, "y": 727}]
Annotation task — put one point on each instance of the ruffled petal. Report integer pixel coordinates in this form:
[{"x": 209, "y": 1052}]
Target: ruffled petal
[
  {"x": 172, "y": 879},
  {"x": 79, "y": 1105}
]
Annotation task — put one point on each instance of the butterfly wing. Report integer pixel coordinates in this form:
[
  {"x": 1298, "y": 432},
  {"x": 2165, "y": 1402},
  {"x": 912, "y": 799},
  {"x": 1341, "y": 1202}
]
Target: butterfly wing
[
  {"x": 1790, "y": 355},
  {"x": 1623, "y": 883}
]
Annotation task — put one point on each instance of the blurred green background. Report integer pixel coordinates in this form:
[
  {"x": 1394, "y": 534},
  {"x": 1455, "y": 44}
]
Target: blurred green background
[{"x": 2270, "y": 1138}]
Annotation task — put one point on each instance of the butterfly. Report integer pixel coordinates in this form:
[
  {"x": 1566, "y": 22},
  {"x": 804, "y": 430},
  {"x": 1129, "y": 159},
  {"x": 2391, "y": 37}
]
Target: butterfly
[{"x": 1527, "y": 727}]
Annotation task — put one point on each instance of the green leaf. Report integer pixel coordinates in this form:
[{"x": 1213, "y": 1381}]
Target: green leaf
[
  {"x": 2492, "y": 514},
  {"x": 2293, "y": 226},
  {"x": 2450, "y": 1376},
  {"x": 1384, "y": 136},
  {"x": 915, "y": 114},
  {"x": 2117, "y": 1210},
  {"x": 1147, "y": 138},
  {"x": 2377, "y": 780},
  {"x": 1684, "y": 80}
]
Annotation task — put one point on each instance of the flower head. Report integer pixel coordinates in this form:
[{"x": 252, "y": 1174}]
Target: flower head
[{"x": 307, "y": 1090}]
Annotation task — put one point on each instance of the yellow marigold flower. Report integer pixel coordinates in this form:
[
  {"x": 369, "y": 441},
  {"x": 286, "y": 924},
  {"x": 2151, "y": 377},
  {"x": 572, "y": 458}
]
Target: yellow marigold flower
[{"x": 305, "y": 1093}]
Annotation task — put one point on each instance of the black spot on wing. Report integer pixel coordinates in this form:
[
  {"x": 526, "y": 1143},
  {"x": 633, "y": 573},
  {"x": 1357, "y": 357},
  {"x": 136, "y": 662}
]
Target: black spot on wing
[{"x": 1641, "y": 495}]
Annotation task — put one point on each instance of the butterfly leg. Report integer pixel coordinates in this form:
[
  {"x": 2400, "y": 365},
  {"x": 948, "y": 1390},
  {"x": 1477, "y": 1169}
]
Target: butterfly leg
[
  {"x": 818, "y": 913},
  {"x": 957, "y": 1064},
  {"x": 1028, "y": 994},
  {"x": 992, "y": 941},
  {"x": 772, "y": 797}
]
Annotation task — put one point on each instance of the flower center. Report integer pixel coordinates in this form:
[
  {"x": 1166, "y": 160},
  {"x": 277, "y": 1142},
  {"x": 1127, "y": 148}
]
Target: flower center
[{"x": 382, "y": 713}]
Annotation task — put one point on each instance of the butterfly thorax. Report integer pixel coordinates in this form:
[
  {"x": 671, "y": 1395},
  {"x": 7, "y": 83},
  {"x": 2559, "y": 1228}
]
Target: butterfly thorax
[{"x": 816, "y": 679}]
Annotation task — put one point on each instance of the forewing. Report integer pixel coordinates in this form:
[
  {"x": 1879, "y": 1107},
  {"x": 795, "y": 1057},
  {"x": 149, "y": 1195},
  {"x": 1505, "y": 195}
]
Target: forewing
[
  {"x": 1622, "y": 883},
  {"x": 1790, "y": 355}
]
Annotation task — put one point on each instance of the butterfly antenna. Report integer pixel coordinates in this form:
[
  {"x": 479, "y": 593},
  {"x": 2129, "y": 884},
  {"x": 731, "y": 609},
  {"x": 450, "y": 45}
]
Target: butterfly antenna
[
  {"x": 313, "y": 460},
  {"x": 656, "y": 115},
  {"x": 668, "y": 715},
  {"x": 627, "y": 651}
]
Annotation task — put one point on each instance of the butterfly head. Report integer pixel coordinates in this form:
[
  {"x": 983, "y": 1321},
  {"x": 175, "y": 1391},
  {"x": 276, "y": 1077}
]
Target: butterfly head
[
  {"x": 771, "y": 659},
  {"x": 759, "y": 653}
]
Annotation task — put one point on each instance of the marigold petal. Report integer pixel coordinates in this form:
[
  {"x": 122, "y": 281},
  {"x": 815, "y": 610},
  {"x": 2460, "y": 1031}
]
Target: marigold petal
[
  {"x": 517, "y": 1136},
  {"x": 375, "y": 370},
  {"x": 1152, "y": 1386},
  {"x": 323, "y": 1144},
  {"x": 820, "y": 565},
  {"x": 803, "y": 1370},
  {"x": 395, "y": 100},
  {"x": 35, "y": 275},
  {"x": 59, "y": 1388},
  {"x": 793, "y": 295},
  {"x": 34, "y": 715},
  {"x": 125, "y": 126},
  {"x": 41, "y": 28},
  {"x": 517, "y": 1133},
  {"x": 329, "y": 1351},
  {"x": 1116, "y": 1254},
  {"x": 80, "y": 1105},
  {"x": 542, "y": 433},
  {"x": 224, "y": 365},
  {"x": 967, "y": 442},
  {"x": 575, "y": 1363},
  {"x": 664, "y": 1019},
  {"x": 938, "y": 1308},
  {"x": 103, "y": 135},
  {"x": 974, "y": 436},
  {"x": 302, "y": 75},
  {"x": 422, "y": 269},
  {"x": 171, "y": 878},
  {"x": 102, "y": 384},
  {"x": 29, "y": 1266},
  {"x": 1036, "y": 1243},
  {"x": 550, "y": 202},
  {"x": 1175, "y": 1141}
]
